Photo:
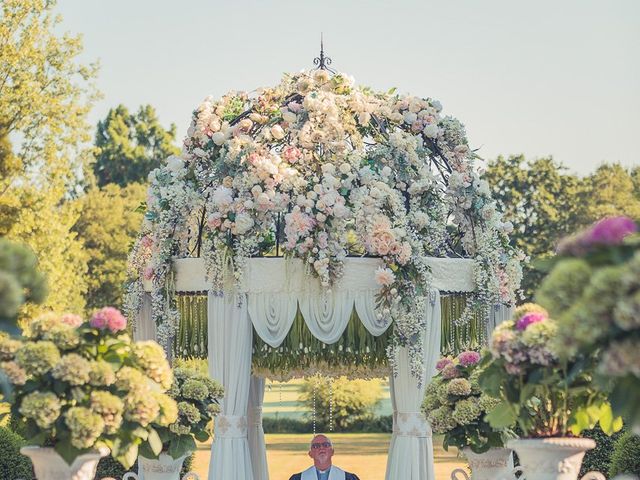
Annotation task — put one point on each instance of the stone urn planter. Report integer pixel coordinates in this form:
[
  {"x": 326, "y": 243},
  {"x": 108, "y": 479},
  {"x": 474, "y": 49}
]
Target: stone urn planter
[
  {"x": 553, "y": 458},
  {"x": 162, "y": 468},
  {"x": 494, "y": 464},
  {"x": 49, "y": 465}
]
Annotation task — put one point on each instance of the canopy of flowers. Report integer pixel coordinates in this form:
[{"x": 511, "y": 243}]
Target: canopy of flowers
[{"x": 317, "y": 168}]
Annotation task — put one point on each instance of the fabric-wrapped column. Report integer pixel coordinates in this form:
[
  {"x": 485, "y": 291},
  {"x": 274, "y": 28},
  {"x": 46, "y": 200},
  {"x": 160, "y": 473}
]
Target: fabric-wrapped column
[
  {"x": 145, "y": 327},
  {"x": 230, "y": 339},
  {"x": 257, "y": 446},
  {"x": 411, "y": 448}
]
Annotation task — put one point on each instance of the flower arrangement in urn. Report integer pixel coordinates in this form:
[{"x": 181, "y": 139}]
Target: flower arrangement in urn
[
  {"x": 593, "y": 290},
  {"x": 82, "y": 386},
  {"x": 455, "y": 406},
  {"x": 551, "y": 398}
]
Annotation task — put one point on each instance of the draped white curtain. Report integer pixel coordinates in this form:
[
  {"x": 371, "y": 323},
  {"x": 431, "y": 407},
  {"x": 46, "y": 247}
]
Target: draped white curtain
[
  {"x": 230, "y": 342},
  {"x": 144, "y": 328},
  {"x": 257, "y": 446},
  {"x": 499, "y": 313},
  {"x": 411, "y": 448}
]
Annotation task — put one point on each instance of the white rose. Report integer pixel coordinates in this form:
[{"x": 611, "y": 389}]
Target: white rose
[
  {"x": 277, "y": 132},
  {"x": 431, "y": 131},
  {"x": 222, "y": 196},
  {"x": 437, "y": 105},
  {"x": 174, "y": 164},
  {"x": 289, "y": 117},
  {"x": 345, "y": 168},
  {"x": 386, "y": 171},
  {"x": 243, "y": 223},
  {"x": 263, "y": 199},
  {"x": 218, "y": 138},
  {"x": 410, "y": 117}
]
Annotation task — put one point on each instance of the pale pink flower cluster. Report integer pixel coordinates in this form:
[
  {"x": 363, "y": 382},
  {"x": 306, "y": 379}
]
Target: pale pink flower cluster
[
  {"x": 71, "y": 319},
  {"x": 108, "y": 318},
  {"x": 384, "y": 276}
]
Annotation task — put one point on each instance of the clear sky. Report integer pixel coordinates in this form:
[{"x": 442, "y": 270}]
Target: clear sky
[{"x": 545, "y": 77}]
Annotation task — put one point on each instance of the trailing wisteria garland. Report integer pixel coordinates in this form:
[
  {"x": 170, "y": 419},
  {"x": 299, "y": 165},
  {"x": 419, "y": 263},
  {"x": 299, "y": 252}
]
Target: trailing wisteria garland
[{"x": 319, "y": 169}]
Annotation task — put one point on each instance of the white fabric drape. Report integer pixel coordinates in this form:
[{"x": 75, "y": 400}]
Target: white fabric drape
[
  {"x": 230, "y": 341},
  {"x": 257, "y": 447},
  {"x": 144, "y": 327},
  {"x": 498, "y": 314},
  {"x": 411, "y": 447}
]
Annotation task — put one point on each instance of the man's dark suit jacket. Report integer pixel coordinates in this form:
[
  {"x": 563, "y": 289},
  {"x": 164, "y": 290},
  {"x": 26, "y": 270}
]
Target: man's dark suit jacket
[{"x": 347, "y": 476}]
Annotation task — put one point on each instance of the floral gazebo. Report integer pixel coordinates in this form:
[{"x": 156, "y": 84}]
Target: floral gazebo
[{"x": 319, "y": 226}]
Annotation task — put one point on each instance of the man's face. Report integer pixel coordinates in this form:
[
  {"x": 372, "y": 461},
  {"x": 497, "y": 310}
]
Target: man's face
[{"x": 321, "y": 451}]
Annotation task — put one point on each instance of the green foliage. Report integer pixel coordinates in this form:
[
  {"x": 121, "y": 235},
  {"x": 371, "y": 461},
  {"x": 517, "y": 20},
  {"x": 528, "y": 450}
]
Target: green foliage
[
  {"x": 108, "y": 227},
  {"x": 542, "y": 200},
  {"x": 12, "y": 463},
  {"x": 45, "y": 95},
  {"x": 348, "y": 400},
  {"x": 377, "y": 424},
  {"x": 20, "y": 281},
  {"x": 626, "y": 456},
  {"x": 599, "y": 458},
  {"x": 612, "y": 191},
  {"x": 129, "y": 146}
]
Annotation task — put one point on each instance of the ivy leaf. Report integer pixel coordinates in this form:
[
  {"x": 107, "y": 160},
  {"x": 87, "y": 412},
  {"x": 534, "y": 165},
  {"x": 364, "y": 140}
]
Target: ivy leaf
[
  {"x": 502, "y": 416},
  {"x": 181, "y": 445}
]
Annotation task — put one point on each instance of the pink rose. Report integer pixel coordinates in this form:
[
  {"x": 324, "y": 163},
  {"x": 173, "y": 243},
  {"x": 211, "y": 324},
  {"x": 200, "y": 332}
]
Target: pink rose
[
  {"x": 384, "y": 276},
  {"x": 147, "y": 273},
  {"x": 214, "y": 221},
  {"x": 146, "y": 241},
  {"x": 450, "y": 371}
]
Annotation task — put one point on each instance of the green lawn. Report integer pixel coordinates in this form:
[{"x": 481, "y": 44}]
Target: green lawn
[{"x": 361, "y": 453}]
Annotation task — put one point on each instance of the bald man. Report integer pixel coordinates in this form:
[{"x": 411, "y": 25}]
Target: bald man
[{"x": 321, "y": 450}]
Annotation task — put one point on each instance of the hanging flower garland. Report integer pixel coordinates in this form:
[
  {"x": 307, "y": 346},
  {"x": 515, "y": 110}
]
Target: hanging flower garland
[{"x": 318, "y": 169}]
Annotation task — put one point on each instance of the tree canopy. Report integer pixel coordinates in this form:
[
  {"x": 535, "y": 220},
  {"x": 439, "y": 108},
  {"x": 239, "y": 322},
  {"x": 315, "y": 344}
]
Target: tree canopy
[{"x": 129, "y": 146}]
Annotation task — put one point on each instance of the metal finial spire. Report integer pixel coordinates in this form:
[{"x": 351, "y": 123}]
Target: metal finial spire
[{"x": 323, "y": 62}]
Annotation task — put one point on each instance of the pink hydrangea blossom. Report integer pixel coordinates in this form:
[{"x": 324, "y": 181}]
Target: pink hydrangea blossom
[
  {"x": 109, "y": 317},
  {"x": 443, "y": 362},
  {"x": 450, "y": 371},
  {"x": 71, "y": 319},
  {"x": 468, "y": 358},
  {"x": 611, "y": 230},
  {"x": 529, "y": 318}
]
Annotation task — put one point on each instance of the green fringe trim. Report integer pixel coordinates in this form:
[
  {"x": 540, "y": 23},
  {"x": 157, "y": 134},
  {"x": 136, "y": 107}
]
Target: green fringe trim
[
  {"x": 458, "y": 338},
  {"x": 301, "y": 350}
]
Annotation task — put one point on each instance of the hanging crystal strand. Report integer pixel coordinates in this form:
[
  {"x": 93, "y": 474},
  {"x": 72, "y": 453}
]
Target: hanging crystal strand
[
  {"x": 331, "y": 404},
  {"x": 313, "y": 415}
]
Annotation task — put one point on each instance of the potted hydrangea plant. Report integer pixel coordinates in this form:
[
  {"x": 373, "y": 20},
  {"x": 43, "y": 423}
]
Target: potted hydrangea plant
[
  {"x": 455, "y": 407},
  {"x": 593, "y": 289},
  {"x": 547, "y": 395},
  {"x": 197, "y": 397},
  {"x": 82, "y": 388}
]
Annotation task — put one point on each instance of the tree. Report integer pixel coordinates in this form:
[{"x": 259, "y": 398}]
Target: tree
[
  {"x": 543, "y": 201},
  {"x": 347, "y": 401},
  {"x": 129, "y": 146},
  {"x": 21, "y": 281},
  {"x": 612, "y": 191},
  {"x": 45, "y": 95},
  {"x": 108, "y": 227}
]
